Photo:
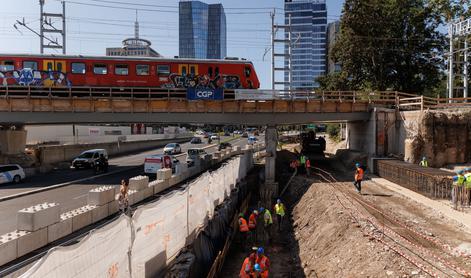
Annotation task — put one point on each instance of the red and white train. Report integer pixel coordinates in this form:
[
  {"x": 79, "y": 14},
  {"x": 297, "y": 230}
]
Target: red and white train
[{"x": 87, "y": 71}]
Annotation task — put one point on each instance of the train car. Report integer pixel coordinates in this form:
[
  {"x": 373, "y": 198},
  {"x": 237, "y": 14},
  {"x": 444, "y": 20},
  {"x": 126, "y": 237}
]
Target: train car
[{"x": 88, "y": 71}]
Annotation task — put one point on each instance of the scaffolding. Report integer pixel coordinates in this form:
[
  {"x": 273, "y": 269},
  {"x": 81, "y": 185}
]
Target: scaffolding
[{"x": 458, "y": 59}]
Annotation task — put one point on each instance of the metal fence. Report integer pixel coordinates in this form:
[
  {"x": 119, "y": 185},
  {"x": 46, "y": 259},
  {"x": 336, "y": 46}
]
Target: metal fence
[{"x": 431, "y": 182}]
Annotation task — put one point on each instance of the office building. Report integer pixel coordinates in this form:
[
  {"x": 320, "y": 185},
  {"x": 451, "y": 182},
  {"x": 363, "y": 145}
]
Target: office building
[
  {"x": 333, "y": 30},
  {"x": 134, "y": 46},
  {"x": 308, "y": 33},
  {"x": 202, "y": 30}
]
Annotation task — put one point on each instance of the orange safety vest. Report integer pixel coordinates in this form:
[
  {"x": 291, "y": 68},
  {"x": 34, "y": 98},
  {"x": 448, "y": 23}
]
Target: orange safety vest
[
  {"x": 243, "y": 225},
  {"x": 252, "y": 221},
  {"x": 264, "y": 263},
  {"x": 308, "y": 163},
  {"x": 246, "y": 266},
  {"x": 359, "y": 174}
]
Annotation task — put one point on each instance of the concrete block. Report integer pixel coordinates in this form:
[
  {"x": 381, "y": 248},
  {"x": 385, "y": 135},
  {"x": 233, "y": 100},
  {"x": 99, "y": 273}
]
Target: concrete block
[
  {"x": 113, "y": 207},
  {"x": 99, "y": 212},
  {"x": 37, "y": 217},
  {"x": 134, "y": 197},
  {"x": 60, "y": 229},
  {"x": 8, "y": 247},
  {"x": 159, "y": 186},
  {"x": 164, "y": 174},
  {"x": 101, "y": 195},
  {"x": 237, "y": 149},
  {"x": 217, "y": 155},
  {"x": 81, "y": 217},
  {"x": 146, "y": 193},
  {"x": 175, "y": 179},
  {"x": 30, "y": 241},
  {"x": 138, "y": 183}
]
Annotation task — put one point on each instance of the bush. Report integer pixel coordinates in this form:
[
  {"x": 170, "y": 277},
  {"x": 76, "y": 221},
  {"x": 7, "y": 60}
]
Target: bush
[{"x": 334, "y": 131}]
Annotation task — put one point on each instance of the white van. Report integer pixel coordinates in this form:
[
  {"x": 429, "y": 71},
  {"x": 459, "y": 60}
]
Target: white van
[
  {"x": 88, "y": 158},
  {"x": 11, "y": 173},
  {"x": 153, "y": 163}
]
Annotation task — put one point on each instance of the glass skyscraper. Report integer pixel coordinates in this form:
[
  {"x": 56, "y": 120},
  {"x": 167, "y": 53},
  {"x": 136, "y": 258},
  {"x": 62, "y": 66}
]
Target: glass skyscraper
[
  {"x": 308, "y": 35},
  {"x": 202, "y": 30}
]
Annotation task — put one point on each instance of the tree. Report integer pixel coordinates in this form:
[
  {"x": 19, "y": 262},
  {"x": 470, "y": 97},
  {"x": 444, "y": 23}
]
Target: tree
[
  {"x": 333, "y": 82},
  {"x": 390, "y": 44}
]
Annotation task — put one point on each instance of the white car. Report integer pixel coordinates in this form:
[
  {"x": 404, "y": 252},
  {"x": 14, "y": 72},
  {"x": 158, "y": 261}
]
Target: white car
[
  {"x": 11, "y": 173},
  {"x": 214, "y": 137},
  {"x": 153, "y": 163},
  {"x": 172, "y": 148}
]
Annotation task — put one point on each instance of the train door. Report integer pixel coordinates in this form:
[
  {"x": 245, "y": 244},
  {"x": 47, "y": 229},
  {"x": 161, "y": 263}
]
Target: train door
[
  {"x": 188, "y": 69},
  {"x": 54, "y": 65},
  {"x": 56, "y": 73}
]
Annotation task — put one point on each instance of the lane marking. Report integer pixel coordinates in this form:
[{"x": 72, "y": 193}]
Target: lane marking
[{"x": 81, "y": 196}]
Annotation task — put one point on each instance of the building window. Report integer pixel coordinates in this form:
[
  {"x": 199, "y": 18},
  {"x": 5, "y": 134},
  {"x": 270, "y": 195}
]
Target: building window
[
  {"x": 121, "y": 70},
  {"x": 142, "y": 69},
  {"x": 100, "y": 69},
  {"x": 164, "y": 70},
  {"x": 30, "y": 65},
  {"x": 78, "y": 68}
]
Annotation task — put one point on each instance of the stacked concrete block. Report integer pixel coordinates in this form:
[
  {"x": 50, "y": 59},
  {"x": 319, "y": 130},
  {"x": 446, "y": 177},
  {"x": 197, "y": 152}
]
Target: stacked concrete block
[
  {"x": 175, "y": 179},
  {"x": 101, "y": 195},
  {"x": 113, "y": 207},
  {"x": 139, "y": 183},
  {"x": 99, "y": 212},
  {"x": 81, "y": 217},
  {"x": 39, "y": 216},
  {"x": 147, "y": 192},
  {"x": 159, "y": 186},
  {"x": 60, "y": 229},
  {"x": 237, "y": 149},
  {"x": 8, "y": 247},
  {"x": 30, "y": 241},
  {"x": 134, "y": 197},
  {"x": 164, "y": 174}
]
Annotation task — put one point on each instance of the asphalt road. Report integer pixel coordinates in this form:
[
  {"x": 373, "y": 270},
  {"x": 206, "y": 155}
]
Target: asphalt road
[{"x": 75, "y": 195}]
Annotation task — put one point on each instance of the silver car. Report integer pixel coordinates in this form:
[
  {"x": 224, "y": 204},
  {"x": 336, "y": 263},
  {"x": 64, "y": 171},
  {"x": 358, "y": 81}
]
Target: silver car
[{"x": 172, "y": 148}]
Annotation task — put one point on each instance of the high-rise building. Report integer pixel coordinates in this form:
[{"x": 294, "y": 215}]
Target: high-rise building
[
  {"x": 308, "y": 36},
  {"x": 202, "y": 30},
  {"x": 333, "y": 29}
]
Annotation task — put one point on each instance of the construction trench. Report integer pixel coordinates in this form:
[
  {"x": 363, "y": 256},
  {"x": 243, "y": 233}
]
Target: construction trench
[{"x": 332, "y": 231}]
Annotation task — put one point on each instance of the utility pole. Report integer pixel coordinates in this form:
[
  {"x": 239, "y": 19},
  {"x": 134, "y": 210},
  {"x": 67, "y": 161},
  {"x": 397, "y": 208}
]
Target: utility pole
[
  {"x": 459, "y": 32},
  {"x": 47, "y": 26},
  {"x": 287, "y": 53}
]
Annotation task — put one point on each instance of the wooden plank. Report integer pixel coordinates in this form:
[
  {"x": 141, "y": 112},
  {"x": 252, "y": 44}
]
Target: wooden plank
[
  {"x": 61, "y": 105},
  {"x": 82, "y": 105},
  {"x": 344, "y": 107},
  {"x": 20, "y": 105},
  {"x": 214, "y": 106},
  {"x": 139, "y": 106},
  {"x": 360, "y": 107},
  {"x": 103, "y": 105},
  {"x": 248, "y": 107},
  {"x": 313, "y": 106},
  {"x": 281, "y": 106},
  {"x": 299, "y": 106},
  {"x": 329, "y": 107},
  {"x": 158, "y": 105},
  {"x": 4, "y": 105},
  {"x": 177, "y": 106},
  {"x": 265, "y": 107},
  {"x": 231, "y": 106}
]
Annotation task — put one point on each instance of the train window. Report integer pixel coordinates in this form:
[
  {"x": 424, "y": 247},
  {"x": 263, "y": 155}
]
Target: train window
[
  {"x": 7, "y": 65},
  {"x": 78, "y": 68},
  {"x": 50, "y": 66},
  {"x": 100, "y": 69},
  {"x": 192, "y": 70},
  {"x": 247, "y": 71},
  {"x": 183, "y": 70},
  {"x": 59, "y": 67},
  {"x": 216, "y": 71},
  {"x": 164, "y": 70},
  {"x": 30, "y": 65},
  {"x": 210, "y": 72},
  {"x": 142, "y": 69},
  {"x": 121, "y": 70}
]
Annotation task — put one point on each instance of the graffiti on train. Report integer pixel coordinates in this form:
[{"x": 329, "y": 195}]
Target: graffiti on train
[
  {"x": 203, "y": 81},
  {"x": 29, "y": 77}
]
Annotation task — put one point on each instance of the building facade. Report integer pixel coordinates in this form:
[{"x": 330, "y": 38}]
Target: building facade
[
  {"x": 333, "y": 29},
  {"x": 308, "y": 41},
  {"x": 202, "y": 30}
]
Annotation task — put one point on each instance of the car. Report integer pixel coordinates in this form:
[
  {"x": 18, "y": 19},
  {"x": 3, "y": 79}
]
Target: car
[
  {"x": 193, "y": 154},
  {"x": 206, "y": 134},
  {"x": 172, "y": 148},
  {"x": 224, "y": 145},
  {"x": 155, "y": 162},
  {"x": 214, "y": 137},
  {"x": 252, "y": 140},
  {"x": 87, "y": 159},
  {"x": 11, "y": 173},
  {"x": 227, "y": 133},
  {"x": 195, "y": 140},
  {"x": 245, "y": 135}
]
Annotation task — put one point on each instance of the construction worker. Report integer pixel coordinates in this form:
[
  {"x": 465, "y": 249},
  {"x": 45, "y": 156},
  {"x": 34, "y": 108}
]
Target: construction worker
[
  {"x": 253, "y": 225},
  {"x": 359, "y": 172},
  {"x": 257, "y": 271},
  {"x": 247, "y": 268},
  {"x": 244, "y": 230},
  {"x": 466, "y": 192},
  {"x": 308, "y": 167},
  {"x": 458, "y": 185},
  {"x": 280, "y": 213},
  {"x": 263, "y": 262},
  {"x": 267, "y": 222},
  {"x": 302, "y": 161},
  {"x": 424, "y": 162}
]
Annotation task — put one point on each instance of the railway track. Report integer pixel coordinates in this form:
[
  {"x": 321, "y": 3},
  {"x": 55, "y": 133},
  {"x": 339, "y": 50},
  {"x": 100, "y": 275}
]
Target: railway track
[{"x": 427, "y": 253}]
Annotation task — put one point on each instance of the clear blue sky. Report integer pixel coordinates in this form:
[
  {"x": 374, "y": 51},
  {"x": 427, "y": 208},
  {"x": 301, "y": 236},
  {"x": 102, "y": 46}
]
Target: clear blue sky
[{"x": 92, "y": 28}]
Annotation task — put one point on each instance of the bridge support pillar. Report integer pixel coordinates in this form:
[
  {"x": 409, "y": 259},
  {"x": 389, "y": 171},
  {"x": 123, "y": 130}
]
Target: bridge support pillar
[
  {"x": 269, "y": 190},
  {"x": 12, "y": 141}
]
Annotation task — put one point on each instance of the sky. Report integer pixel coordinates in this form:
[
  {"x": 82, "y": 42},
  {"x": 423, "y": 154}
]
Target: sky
[{"x": 91, "y": 27}]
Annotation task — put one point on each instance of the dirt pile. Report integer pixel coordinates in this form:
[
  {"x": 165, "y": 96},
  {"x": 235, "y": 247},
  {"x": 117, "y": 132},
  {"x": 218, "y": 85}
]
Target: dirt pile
[{"x": 331, "y": 244}]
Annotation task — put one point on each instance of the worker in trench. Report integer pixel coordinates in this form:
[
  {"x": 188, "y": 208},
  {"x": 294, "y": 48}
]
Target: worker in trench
[
  {"x": 280, "y": 213},
  {"x": 244, "y": 231},
  {"x": 253, "y": 226},
  {"x": 359, "y": 172},
  {"x": 458, "y": 185},
  {"x": 267, "y": 224},
  {"x": 467, "y": 188},
  {"x": 248, "y": 267},
  {"x": 424, "y": 162}
]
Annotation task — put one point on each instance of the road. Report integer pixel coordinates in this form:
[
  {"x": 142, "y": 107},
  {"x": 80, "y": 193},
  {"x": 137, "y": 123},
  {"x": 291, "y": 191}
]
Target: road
[{"x": 75, "y": 195}]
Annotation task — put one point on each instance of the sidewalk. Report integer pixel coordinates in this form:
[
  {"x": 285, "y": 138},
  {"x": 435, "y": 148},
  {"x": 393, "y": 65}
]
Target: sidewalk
[{"x": 439, "y": 206}]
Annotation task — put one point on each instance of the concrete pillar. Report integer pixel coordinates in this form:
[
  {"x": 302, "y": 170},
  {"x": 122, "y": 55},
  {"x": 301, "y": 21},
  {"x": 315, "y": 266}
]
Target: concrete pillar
[
  {"x": 270, "y": 189},
  {"x": 12, "y": 141}
]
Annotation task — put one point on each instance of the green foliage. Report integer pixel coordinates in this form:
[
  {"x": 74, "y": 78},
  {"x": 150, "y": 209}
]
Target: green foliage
[
  {"x": 334, "y": 131},
  {"x": 334, "y": 82},
  {"x": 390, "y": 45}
]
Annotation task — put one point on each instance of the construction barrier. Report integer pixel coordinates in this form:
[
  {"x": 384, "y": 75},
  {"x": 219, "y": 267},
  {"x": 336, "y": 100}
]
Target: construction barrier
[
  {"x": 103, "y": 253},
  {"x": 156, "y": 233}
]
